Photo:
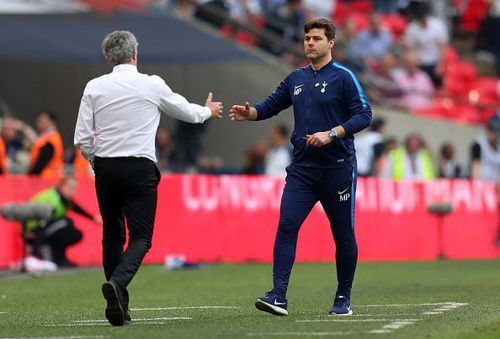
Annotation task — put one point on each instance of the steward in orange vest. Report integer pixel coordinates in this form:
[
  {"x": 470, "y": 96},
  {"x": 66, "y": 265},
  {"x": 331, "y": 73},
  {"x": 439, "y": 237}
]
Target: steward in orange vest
[
  {"x": 81, "y": 166},
  {"x": 47, "y": 152},
  {"x": 3, "y": 158}
]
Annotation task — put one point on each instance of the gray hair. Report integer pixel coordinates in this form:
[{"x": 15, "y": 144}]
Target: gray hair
[{"x": 119, "y": 46}]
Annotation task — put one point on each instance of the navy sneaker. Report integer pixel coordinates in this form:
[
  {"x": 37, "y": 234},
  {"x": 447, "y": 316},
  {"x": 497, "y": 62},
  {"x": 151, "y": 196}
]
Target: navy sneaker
[
  {"x": 272, "y": 303},
  {"x": 341, "y": 306}
]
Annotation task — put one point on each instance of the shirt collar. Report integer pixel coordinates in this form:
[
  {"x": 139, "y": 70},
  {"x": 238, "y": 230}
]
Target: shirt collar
[{"x": 124, "y": 67}]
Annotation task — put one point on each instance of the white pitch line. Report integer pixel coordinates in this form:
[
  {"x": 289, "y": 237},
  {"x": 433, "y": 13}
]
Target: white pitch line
[
  {"x": 445, "y": 308},
  {"x": 383, "y": 314},
  {"x": 182, "y": 308},
  {"x": 105, "y": 324},
  {"x": 3, "y": 312},
  {"x": 75, "y": 325},
  {"x": 63, "y": 337},
  {"x": 302, "y": 334},
  {"x": 404, "y": 305},
  {"x": 139, "y": 319},
  {"x": 380, "y": 331},
  {"x": 395, "y": 325},
  {"x": 351, "y": 320}
]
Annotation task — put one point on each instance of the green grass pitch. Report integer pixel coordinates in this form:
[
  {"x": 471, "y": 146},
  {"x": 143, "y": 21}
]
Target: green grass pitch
[{"x": 445, "y": 299}]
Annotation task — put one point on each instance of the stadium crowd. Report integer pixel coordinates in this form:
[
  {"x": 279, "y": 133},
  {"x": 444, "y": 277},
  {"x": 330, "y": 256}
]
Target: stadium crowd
[{"x": 402, "y": 50}]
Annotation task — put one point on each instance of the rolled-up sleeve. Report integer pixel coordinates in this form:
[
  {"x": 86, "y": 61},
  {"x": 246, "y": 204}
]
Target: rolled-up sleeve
[
  {"x": 176, "y": 106},
  {"x": 85, "y": 129}
]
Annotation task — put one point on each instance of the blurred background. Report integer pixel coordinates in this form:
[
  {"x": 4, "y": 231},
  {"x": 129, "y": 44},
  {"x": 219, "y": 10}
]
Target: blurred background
[{"x": 430, "y": 162}]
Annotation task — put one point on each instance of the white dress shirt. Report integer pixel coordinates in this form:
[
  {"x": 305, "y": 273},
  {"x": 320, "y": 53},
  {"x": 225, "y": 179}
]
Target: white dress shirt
[
  {"x": 427, "y": 41},
  {"x": 120, "y": 113},
  {"x": 277, "y": 161}
]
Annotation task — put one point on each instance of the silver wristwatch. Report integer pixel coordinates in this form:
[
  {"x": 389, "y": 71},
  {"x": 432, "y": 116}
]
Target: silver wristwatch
[{"x": 332, "y": 134}]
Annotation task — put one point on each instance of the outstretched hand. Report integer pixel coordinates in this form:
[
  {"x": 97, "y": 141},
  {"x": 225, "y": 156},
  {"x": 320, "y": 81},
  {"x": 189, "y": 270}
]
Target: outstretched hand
[
  {"x": 239, "y": 112},
  {"x": 215, "y": 106}
]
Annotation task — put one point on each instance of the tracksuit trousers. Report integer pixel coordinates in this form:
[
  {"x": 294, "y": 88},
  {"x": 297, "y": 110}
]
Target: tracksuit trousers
[{"x": 335, "y": 189}]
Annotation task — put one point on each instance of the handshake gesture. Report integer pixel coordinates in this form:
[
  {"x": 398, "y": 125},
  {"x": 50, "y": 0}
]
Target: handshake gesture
[
  {"x": 216, "y": 107},
  {"x": 236, "y": 113}
]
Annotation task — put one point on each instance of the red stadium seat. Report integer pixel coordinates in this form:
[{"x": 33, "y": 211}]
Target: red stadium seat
[
  {"x": 467, "y": 114},
  {"x": 361, "y": 6},
  {"x": 473, "y": 14},
  {"x": 484, "y": 92},
  {"x": 396, "y": 24},
  {"x": 455, "y": 87},
  {"x": 463, "y": 69},
  {"x": 246, "y": 38},
  {"x": 226, "y": 31}
]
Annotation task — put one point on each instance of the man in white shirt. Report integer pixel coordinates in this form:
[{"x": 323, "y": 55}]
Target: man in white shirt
[
  {"x": 369, "y": 147},
  {"x": 280, "y": 154},
  {"x": 115, "y": 131},
  {"x": 428, "y": 37}
]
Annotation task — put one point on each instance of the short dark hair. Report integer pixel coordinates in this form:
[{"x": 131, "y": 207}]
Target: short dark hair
[
  {"x": 377, "y": 124},
  {"x": 50, "y": 114},
  {"x": 321, "y": 23},
  {"x": 282, "y": 130}
]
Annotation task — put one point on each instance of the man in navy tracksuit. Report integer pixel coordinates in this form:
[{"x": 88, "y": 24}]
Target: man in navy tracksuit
[{"x": 329, "y": 107}]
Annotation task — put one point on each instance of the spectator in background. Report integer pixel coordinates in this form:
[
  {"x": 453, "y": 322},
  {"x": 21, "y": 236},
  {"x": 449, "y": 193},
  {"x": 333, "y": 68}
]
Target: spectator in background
[
  {"x": 47, "y": 153},
  {"x": 280, "y": 154},
  {"x": 255, "y": 157},
  {"x": 343, "y": 44},
  {"x": 80, "y": 165},
  {"x": 244, "y": 10},
  {"x": 416, "y": 84},
  {"x": 447, "y": 164},
  {"x": 188, "y": 144},
  {"x": 381, "y": 166},
  {"x": 488, "y": 37},
  {"x": 485, "y": 153},
  {"x": 381, "y": 86},
  {"x": 427, "y": 36},
  {"x": 59, "y": 232},
  {"x": 183, "y": 8},
  {"x": 164, "y": 150},
  {"x": 3, "y": 159},
  {"x": 386, "y": 6},
  {"x": 270, "y": 8},
  {"x": 369, "y": 147},
  {"x": 17, "y": 137},
  {"x": 370, "y": 45},
  {"x": 213, "y": 12},
  {"x": 413, "y": 161},
  {"x": 286, "y": 22},
  {"x": 319, "y": 9}
]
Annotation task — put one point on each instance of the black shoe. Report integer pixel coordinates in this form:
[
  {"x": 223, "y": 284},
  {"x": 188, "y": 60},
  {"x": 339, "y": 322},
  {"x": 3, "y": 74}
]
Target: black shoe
[
  {"x": 127, "y": 311},
  {"x": 114, "y": 308},
  {"x": 127, "y": 317}
]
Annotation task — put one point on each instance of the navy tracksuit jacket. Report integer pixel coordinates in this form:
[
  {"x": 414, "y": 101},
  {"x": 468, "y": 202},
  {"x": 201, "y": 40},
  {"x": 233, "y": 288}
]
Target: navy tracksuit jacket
[{"x": 321, "y": 100}]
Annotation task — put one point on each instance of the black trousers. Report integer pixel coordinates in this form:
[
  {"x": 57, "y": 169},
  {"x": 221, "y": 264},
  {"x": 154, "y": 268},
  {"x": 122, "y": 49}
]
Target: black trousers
[
  {"x": 58, "y": 235},
  {"x": 127, "y": 192}
]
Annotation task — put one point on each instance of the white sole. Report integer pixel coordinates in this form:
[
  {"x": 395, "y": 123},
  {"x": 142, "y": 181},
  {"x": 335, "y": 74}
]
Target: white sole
[
  {"x": 341, "y": 315},
  {"x": 270, "y": 308}
]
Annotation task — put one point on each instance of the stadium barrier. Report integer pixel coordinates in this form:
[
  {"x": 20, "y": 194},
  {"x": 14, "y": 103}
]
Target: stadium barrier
[{"x": 234, "y": 218}]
